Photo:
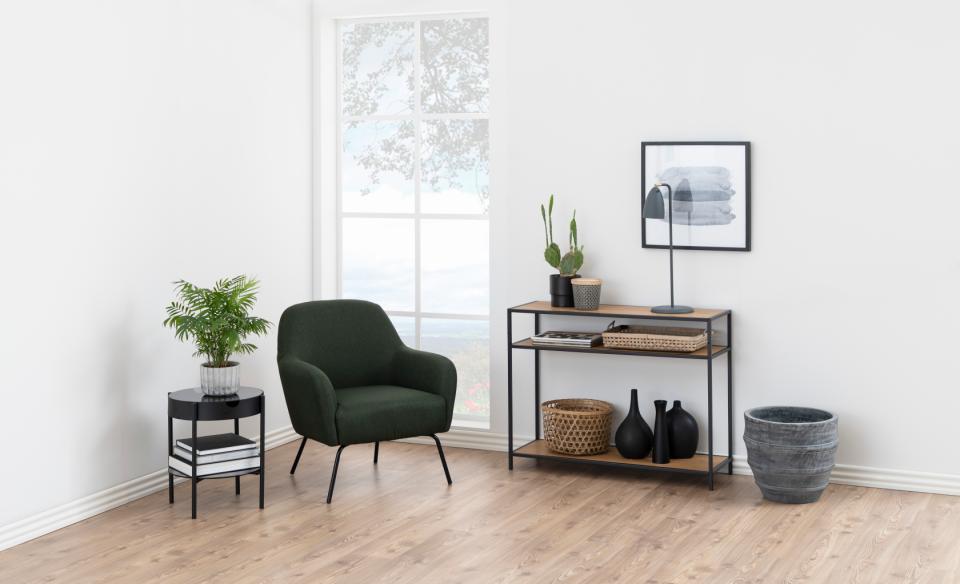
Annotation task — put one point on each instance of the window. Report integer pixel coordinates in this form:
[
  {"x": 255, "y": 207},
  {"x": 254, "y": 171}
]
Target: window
[{"x": 413, "y": 189}]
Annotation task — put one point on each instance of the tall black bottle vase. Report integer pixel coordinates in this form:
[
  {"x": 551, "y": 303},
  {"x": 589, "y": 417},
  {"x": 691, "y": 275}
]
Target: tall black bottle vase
[
  {"x": 633, "y": 438},
  {"x": 661, "y": 437}
]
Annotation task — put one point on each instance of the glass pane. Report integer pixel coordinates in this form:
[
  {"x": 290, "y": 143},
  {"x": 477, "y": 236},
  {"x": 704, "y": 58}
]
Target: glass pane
[
  {"x": 455, "y": 265},
  {"x": 376, "y": 171},
  {"x": 407, "y": 329},
  {"x": 455, "y": 166},
  {"x": 454, "y": 56},
  {"x": 378, "y": 261},
  {"x": 377, "y": 68},
  {"x": 467, "y": 344}
]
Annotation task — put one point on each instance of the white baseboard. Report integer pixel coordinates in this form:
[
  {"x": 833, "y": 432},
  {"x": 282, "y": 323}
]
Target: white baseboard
[
  {"x": 844, "y": 474},
  {"x": 86, "y": 507},
  {"x": 75, "y": 511}
]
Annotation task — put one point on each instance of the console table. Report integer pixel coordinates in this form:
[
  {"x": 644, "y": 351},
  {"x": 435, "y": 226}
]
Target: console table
[{"x": 706, "y": 464}]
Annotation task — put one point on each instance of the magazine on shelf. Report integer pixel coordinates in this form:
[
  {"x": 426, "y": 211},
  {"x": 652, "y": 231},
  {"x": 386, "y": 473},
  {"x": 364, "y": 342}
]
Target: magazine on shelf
[
  {"x": 184, "y": 467},
  {"x": 566, "y": 338}
]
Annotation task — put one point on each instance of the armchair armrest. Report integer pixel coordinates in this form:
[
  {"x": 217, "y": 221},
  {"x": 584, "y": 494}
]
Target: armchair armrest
[
  {"x": 311, "y": 400},
  {"x": 427, "y": 372}
]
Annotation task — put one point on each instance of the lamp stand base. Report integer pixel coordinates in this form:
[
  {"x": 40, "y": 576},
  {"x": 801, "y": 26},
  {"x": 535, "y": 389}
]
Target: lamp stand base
[{"x": 672, "y": 309}]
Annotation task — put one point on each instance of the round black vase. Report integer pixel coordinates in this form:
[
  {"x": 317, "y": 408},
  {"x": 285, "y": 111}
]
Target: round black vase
[
  {"x": 682, "y": 432},
  {"x": 633, "y": 438},
  {"x": 661, "y": 440},
  {"x": 561, "y": 290}
]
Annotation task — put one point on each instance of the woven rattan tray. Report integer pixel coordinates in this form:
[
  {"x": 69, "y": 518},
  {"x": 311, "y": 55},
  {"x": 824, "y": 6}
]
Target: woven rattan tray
[{"x": 655, "y": 338}]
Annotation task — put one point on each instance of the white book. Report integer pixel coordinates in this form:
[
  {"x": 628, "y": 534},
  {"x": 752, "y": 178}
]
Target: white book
[
  {"x": 183, "y": 466},
  {"x": 219, "y": 457}
]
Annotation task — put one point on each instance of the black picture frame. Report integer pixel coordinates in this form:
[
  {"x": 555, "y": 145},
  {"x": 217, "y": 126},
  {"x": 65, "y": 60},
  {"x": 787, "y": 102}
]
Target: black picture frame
[{"x": 645, "y": 188}]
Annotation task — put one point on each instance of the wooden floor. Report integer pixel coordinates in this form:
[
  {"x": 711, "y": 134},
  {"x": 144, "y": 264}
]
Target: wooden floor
[{"x": 399, "y": 522}]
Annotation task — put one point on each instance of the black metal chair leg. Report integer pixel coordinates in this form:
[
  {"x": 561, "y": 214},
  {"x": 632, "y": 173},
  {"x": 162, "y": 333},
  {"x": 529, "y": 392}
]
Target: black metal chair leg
[
  {"x": 376, "y": 452},
  {"x": 443, "y": 460},
  {"x": 296, "y": 460},
  {"x": 333, "y": 475}
]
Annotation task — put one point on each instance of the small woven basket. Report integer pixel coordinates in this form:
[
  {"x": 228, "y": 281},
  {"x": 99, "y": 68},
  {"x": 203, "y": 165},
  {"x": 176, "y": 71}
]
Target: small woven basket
[
  {"x": 586, "y": 293},
  {"x": 655, "y": 338},
  {"x": 577, "y": 426}
]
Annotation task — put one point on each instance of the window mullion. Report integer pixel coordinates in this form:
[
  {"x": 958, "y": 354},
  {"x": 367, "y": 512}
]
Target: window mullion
[{"x": 418, "y": 141}]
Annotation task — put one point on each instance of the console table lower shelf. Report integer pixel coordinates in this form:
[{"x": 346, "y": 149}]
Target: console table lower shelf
[{"x": 699, "y": 464}]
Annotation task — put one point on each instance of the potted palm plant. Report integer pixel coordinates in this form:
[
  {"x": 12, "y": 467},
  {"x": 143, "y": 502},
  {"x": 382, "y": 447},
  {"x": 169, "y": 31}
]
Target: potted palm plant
[{"x": 218, "y": 322}]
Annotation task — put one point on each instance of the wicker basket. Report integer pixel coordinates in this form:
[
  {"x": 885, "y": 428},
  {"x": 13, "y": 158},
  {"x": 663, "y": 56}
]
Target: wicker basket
[
  {"x": 655, "y": 338},
  {"x": 577, "y": 426}
]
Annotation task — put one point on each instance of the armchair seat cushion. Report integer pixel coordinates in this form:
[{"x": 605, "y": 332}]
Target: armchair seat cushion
[{"x": 387, "y": 412}]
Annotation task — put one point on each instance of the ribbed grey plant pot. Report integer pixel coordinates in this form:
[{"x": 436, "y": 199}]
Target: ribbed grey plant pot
[{"x": 791, "y": 451}]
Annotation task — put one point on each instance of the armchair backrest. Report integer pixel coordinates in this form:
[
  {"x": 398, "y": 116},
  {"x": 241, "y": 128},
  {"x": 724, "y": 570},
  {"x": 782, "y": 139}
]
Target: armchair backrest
[{"x": 352, "y": 341}]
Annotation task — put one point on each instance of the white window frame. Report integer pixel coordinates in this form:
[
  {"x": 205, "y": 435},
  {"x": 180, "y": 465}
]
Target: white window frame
[{"x": 417, "y": 117}]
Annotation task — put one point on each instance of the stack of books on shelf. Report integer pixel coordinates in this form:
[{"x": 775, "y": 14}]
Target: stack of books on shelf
[
  {"x": 567, "y": 339},
  {"x": 216, "y": 455}
]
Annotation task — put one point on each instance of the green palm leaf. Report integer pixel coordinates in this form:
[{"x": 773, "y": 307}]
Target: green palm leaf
[{"x": 216, "y": 319}]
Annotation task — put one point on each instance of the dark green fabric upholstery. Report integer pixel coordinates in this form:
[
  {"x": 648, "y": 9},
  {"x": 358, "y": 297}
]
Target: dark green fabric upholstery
[
  {"x": 348, "y": 378},
  {"x": 387, "y": 412}
]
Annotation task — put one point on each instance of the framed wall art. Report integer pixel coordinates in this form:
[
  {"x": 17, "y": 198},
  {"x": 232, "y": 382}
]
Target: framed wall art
[{"x": 711, "y": 194}]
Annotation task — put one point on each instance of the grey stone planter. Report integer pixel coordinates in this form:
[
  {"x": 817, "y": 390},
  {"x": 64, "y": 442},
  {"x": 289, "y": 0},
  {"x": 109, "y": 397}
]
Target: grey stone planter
[{"x": 790, "y": 451}]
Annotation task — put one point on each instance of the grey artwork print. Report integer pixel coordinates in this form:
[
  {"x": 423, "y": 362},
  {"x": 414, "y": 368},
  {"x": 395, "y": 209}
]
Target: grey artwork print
[
  {"x": 710, "y": 183},
  {"x": 702, "y": 195}
]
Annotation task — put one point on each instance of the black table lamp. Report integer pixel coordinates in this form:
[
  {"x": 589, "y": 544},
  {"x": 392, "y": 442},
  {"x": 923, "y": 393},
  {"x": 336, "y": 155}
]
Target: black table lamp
[{"x": 653, "y": 209}]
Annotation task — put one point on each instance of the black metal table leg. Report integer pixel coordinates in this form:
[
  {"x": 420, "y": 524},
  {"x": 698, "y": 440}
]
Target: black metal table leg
[
  {"x": 170, "y": 453},
  {"x": 730, "y": 392},
  {"x": 510, "y": 390},
  {"x": 710, "y": 404},
  {"x": 263, "y": 445},
  {"x": 376, "y": 452},
  {"x": 236, "y": 430},
  {"x": 193, "y": 477},
  {"x": 536, "y": 382}
]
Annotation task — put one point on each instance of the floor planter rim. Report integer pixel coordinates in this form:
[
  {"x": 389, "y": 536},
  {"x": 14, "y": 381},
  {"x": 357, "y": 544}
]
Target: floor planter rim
[{"x": 749, "y": 414}]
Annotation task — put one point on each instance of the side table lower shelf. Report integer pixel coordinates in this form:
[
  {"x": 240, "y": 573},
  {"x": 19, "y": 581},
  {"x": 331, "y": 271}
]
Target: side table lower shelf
[
  {"x": 221, "y": 475},
  {"x": 699, "y": 464}
]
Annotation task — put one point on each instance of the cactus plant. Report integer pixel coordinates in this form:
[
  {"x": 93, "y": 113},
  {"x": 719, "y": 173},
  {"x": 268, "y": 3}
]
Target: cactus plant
[
  {"x": 569, "y": 263},
  {"x": 552, "y": 251}
]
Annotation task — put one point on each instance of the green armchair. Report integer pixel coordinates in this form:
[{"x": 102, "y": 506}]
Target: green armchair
[{"x": 348, "y": 379}]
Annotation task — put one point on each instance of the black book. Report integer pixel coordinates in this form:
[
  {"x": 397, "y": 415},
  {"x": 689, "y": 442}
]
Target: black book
[{"x": 217, "y": 443}]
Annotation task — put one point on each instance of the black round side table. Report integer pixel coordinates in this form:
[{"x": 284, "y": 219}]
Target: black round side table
[{"x": 191, "y": 404}]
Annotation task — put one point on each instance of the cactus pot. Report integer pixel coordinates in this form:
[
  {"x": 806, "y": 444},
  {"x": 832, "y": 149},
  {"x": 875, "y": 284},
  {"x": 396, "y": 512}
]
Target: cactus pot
[
  {"x": 790, "y": 451},
  {"x": 561, "y": 291}
]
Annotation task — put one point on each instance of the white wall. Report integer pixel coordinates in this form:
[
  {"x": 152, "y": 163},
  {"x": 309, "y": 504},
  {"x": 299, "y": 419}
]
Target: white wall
[
  {"x": 846, "y": 302},
  {"x": 140, "y": 142}
]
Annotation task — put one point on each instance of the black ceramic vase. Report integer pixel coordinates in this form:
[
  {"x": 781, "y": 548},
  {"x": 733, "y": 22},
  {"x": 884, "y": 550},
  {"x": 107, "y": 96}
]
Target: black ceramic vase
[
  {"x": 661, "y": 440},
  {"x": 682, "y": 432},
  {"x": 633, "y": 438},
  {"x": 561, "y": 290}
]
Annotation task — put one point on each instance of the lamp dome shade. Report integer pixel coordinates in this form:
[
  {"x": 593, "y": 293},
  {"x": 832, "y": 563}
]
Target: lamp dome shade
[{"x": 653, "y": 207}]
